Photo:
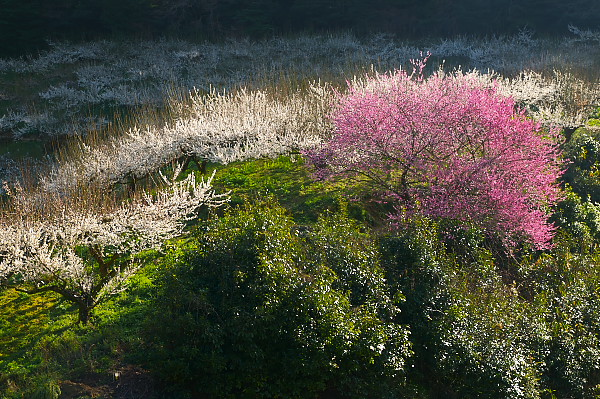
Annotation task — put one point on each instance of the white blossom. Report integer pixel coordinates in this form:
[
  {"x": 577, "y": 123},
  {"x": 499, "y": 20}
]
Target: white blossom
[
  {"x": 584, "y": 35},
  {"x": 560, "y": 99},
  {"x": 132, "y": 73},
  {"x": 48, "y": 242},
  {"x": 220, "y": 128}
]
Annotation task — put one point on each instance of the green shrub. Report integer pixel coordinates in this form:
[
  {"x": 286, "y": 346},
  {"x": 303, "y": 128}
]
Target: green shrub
[
  {"x": 484, "y": 343},
  {"x": 471, "y": 333},
  {"x": 579, "y": 219},
  {"x": 46, "y": 389},
  {"x": 565, "y": 286},
  {"x": 583, "y": 174},
  {"x": 257, "y": 307}
]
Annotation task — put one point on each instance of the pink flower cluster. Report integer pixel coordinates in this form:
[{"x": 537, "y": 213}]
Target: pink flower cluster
[{"x": 447, "y": 147}]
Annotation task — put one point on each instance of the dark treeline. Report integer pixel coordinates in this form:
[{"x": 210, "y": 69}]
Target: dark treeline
[{"x": 26, "y": 25}]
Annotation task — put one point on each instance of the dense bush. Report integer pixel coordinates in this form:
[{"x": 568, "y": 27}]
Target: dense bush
[
  {"x": 252, "y": 305},
  {"x": 255, "y": 307},
  {"x": 564, "y": 290},
  {"x": 583, "y": 173},
  {"x": 578, "y": 218},
  {"x": 484, "y": 328},
  {"x": 469, "y": 330}
]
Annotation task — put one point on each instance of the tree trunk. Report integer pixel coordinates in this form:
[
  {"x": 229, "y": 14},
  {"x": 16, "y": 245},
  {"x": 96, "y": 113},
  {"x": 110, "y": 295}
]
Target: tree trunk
[{"x": 85, "y": 310}]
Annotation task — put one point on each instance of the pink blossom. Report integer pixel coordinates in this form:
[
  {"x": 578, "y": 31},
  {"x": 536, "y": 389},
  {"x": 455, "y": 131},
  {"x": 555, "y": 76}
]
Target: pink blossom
[{"x": 448, "y": 147}]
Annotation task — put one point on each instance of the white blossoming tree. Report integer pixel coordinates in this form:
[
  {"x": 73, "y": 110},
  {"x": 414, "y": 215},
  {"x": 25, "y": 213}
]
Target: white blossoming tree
[
  {"x": 220, "y": 128},
  {"x": 84, "y": 253}
]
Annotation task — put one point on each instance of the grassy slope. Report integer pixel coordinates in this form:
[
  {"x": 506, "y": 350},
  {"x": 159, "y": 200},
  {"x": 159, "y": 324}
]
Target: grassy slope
[
  {"x": 42, "y": 348},
  {"x": 41, "y": 345}
]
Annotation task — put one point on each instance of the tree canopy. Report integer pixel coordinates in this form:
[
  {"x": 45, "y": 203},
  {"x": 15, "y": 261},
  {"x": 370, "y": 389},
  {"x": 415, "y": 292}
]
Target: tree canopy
[{"x": 448, "y": 147}]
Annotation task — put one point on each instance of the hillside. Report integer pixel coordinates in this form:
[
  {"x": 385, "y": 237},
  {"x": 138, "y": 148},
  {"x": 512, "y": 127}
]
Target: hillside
[{"x": 353, "y": 218}]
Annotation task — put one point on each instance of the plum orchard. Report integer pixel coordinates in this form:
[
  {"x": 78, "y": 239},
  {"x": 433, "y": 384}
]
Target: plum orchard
[{"x": 450, "y": 147}]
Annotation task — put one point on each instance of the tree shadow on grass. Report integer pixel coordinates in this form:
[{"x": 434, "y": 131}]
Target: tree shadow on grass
[{"x": 26, "y": 319}]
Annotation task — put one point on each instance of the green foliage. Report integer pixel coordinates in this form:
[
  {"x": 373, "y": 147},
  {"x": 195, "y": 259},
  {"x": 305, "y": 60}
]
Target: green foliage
[
  {"x": 41, "y": 343},
  {"x": 255, "y": 307},
  {"x": 46, "y": 389},
  {"x": 469, "y": 329},
  {"x": 26, "y": 320},
  {"x": 415, "y": 264},
  {"x": 583, "y": 174},
  {"x": 579, "y": 219},
  {"x": 564, "y": 287},
  {"x": 484, "y": 343}
]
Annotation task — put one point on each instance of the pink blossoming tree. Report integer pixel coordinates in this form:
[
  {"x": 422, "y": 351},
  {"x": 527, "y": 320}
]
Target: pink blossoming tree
[{"x": 447, "y": 147}]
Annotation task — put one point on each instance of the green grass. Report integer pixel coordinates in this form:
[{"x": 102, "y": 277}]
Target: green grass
[
  {"x": 286, "y": 178},
  {"x": 26, "y": 322},
  {"x": 41, "y": 344},
  {"x": 43, "y": 348},
  {"x": 26, "y": 319},
  {"x": 289, "y": 180}
]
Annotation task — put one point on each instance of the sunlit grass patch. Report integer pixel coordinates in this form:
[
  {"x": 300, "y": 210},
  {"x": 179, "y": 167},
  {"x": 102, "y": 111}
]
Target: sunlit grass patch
[
  {"x": 286, "y": 178},
  {"x": 27, "y": 318},
  {"x": 25, "y": 322},
  {"x": 42, "y": 346}
]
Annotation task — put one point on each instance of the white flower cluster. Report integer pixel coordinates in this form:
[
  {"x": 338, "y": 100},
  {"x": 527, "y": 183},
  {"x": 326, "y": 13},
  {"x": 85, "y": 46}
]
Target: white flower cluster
[
  {"x": 560, "y": 99},
  {"x": 52, "y": 243},
  {"x": 107, "y": 74},
  {"x": 21, "y": 123},
  {"x": 507, "y": 54},
  {"x": 219, "y": 128},
  {"x": 586, "y": 35}
]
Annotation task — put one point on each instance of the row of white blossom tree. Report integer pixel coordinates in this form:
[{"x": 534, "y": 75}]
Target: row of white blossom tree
[
  {"x": 75, "y": 233},
  {"x": 217, "y": 127},
  {"x": 112, "y": 74}
]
